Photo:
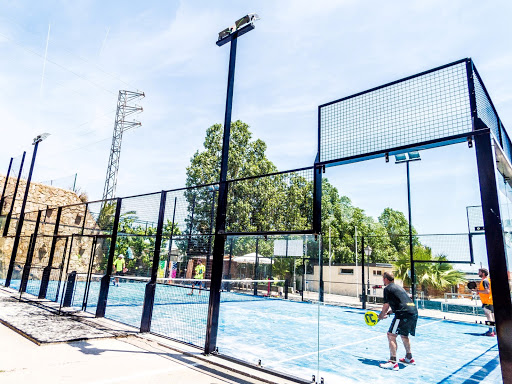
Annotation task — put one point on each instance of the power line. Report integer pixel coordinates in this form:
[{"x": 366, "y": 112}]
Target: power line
[{"x": 57, "y": 64}]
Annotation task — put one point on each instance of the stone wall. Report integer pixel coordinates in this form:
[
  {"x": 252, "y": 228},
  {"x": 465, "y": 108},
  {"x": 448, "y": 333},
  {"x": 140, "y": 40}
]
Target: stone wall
[{"x": 73, "y": 219}]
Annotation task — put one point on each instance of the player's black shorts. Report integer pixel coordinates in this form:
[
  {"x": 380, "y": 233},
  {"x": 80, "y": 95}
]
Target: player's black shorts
[
  {"x": 119, "y": 273},
  {"x": 404, "y": 326},
  {"x": 490, "y": 307}
]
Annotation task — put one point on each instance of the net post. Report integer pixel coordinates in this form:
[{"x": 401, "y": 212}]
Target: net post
[
  {"x": 149, "y": 295},
  {"x": 286, "y": 287},
  {"x": 495, "y": 244},
  {"x": 256, "y": 265},
  {"x": 105, "y": 280},
  {"x": 363, "y": 287},
  {"x": 30, "y": 255},
  {"x": 45, "y": 279}
]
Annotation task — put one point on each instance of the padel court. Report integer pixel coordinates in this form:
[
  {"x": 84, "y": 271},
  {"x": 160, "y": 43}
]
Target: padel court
[{"x": 305, "y": 339}]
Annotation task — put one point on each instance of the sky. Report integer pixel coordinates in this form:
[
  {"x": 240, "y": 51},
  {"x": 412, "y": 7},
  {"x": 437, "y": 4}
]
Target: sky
[{"x": 62, "y": 64}]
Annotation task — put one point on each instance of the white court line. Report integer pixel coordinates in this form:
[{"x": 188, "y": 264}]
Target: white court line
[
  {"x": 124, "y": 379},
  {"x": 342, "y": 346}
]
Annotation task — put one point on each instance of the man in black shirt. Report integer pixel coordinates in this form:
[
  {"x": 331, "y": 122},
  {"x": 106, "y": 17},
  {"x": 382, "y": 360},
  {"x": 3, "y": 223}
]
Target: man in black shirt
[{"x": 397, "y": 301}]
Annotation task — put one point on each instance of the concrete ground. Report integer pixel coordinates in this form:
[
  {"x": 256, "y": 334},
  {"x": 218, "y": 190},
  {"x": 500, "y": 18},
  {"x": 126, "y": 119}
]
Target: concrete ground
[{"x": 39, "y": 346}]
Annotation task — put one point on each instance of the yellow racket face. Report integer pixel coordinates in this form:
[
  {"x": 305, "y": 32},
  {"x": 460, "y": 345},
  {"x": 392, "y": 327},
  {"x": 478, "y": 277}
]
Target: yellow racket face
[{"x": 371, "y": 318}]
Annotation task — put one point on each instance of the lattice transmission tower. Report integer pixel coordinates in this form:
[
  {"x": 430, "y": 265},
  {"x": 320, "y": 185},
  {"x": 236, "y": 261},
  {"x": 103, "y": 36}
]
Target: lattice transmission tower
[{"x": 125, "y": 108}]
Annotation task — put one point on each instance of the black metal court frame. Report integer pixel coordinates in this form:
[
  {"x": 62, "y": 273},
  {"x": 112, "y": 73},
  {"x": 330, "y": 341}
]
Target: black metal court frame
[{"x": 442, "y": 106}]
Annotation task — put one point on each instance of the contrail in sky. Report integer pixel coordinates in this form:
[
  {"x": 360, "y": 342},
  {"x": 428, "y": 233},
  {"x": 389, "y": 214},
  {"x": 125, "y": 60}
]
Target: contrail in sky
[
  {"x": 104, "y": 41},
  {"x": 44, "y": 63}
]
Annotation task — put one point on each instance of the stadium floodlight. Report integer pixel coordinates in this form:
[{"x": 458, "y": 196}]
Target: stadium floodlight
[
  {"x": 40, "y": 138},
  {"x": 406, "y": 157},
  {"x": 242, "y": 25}
]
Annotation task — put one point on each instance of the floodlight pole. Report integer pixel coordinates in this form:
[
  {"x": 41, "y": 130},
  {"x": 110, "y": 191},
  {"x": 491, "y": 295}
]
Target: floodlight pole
[
  {"x": 19, "y": 227},
  {"x": 220, "y": 222},
  {"x": 413, "y": 274},
  {"x": 5, "y": 186}
]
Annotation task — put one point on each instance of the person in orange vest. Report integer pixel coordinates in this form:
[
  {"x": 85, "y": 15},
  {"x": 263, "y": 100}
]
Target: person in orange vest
[{"x": 484, "y": 290}]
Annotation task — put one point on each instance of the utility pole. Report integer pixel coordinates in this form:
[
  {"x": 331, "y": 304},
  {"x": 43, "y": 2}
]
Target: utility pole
[{"x": 124, "y": 109}]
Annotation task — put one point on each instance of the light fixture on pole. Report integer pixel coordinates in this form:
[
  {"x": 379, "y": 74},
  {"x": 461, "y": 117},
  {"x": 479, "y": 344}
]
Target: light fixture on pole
[
  {"x": 36, "y": 142},
  {"x": 407, "y": 158},
  {"x": 230, "y": 34}
]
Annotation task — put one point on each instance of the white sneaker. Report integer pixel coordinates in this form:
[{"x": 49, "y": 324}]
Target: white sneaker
[
  {"x": 393, "y": 365},
  {"x": 405, "y": 360}
]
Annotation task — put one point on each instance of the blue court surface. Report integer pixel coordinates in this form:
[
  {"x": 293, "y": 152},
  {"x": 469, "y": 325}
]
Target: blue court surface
[{"x": 305, "y": 339}]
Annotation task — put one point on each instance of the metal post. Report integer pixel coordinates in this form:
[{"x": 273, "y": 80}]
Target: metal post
[
  {"x": 212, "y": 218},
  {"x": 30, "y": 254},
  {"x": 9, "y": 215},
  {"x": 191, "y": 223},
  {"x": 167, "y": 273},
  {"x": 47, "y": 270},
  {"x": 70, "y": 287},
  {"x": 85, "y": 217},
  {"x": 496, "y": 255},
  {"x": 330, "y": 257},
  {"x": 363, "y": 290},
  {"x": 220, "y": 223},
  {"x": 321, "y": 264},
  {"x": 411, "y": 255},
  {"x": 256, "y": 265},
  {"x": 355, "y": 249},
  {"x": 317, "y": 196},
  {"x": 20, "y": 221},
  {"x": 5, "y": 186},
  {"x": 228, "y": 287},
  {"x": 149, "y": 297},
  {"x": 105, "y": 280}
]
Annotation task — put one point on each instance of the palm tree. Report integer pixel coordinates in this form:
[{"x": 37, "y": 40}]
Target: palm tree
[{"x": 437, "y": 273}]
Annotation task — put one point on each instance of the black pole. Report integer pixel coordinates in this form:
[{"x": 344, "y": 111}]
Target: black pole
[
  {"x": 149, "y": 297},
  {"x": 167, "y": 273},
  {"x": 47, "y": 270},
  {"x": 363, "y": 290},
  {"x": 228, "y": 287},
  {"x": 9, "y": 215},
  {"x": 105, "y": 280},
  {"x": 496, "y": 255},
  {"x": 5, "y": 186},
  {"x": 30, "y": 255},
  {"x": 212, "y": 218},
  {"x": 321, "y": 265},
  {"x": 22, "y": 213},
  {"x": 256, "y": 266},
  {"x": 85, "y": 217},
  {"x": 220, "y": 223},
  {"x": 191, "y": 223},
  {"x": 317, "y": 196},
  {"x": 411, "y": 255}
]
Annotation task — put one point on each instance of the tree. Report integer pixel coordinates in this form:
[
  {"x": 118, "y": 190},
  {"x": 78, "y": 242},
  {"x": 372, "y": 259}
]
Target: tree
[
  {"x": 436, "y": 273},
  {"x": 397, "y": 228}
]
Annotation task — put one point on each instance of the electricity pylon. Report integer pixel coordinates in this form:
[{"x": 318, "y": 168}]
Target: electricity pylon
[{"x": 121, "y": 125}]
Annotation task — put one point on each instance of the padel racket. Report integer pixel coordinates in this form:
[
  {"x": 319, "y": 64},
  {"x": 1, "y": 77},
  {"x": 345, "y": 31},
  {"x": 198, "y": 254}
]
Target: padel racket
[
  {"x": 371, "y": 318},
  {"x": 471, "y": 285}
]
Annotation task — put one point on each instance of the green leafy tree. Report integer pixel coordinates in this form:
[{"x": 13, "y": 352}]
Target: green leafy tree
[
  {"x": 397, "y": 227},
  {"x": 437, "y": 275}
]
